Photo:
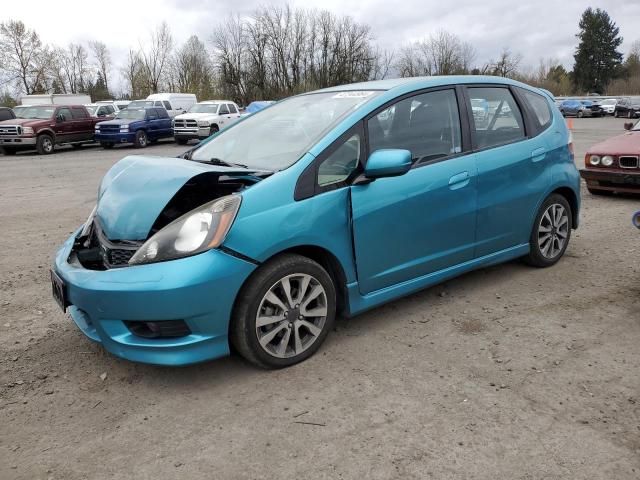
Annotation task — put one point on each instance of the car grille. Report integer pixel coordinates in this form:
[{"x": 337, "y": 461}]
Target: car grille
[
  {"x": 109, "y": 128},
  {"x": 181, "y": 123},
  {"x": 10, "y": 130},
  {"x": 115, "y": 253},
  {"x": 628, "y": 162}
]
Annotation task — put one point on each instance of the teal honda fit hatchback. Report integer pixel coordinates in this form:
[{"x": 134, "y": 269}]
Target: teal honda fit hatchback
[{"x": 326, "y": 203}]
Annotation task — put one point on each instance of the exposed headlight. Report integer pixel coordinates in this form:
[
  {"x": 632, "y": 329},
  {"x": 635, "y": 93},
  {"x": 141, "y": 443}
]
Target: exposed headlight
[
  {"x": 594, "y": 159},
  {"x": 194, "y": 232},
  {"x": 27, "y": 130},
  {"x": 203, "y": 124},
  {"x": 89, "y": 222},
  {"x": 607, "y": 161},
  {"x": 124, "y": 128}
]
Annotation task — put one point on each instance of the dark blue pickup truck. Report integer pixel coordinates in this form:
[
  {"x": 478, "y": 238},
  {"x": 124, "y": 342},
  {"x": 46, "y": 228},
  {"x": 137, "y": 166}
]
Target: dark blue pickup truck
[{"x": 138, "y": 126}]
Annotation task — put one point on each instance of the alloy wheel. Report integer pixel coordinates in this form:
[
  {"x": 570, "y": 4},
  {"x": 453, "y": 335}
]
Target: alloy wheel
[
  {"x": 47, "y": 144},
  {"x": 553, "y": 231},
  {"x": 291, "y": 315}
]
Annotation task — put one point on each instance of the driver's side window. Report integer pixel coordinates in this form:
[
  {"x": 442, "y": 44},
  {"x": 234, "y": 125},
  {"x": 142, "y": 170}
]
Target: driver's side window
[{"x": 340, "y": 164}]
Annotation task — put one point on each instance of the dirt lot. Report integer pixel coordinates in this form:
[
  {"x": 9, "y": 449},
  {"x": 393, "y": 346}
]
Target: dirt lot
[{"x": 505, "y": 373}]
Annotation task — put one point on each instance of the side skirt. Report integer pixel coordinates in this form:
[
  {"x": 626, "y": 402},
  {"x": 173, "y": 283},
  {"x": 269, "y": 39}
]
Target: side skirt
[{"x": 359, "y": 303}]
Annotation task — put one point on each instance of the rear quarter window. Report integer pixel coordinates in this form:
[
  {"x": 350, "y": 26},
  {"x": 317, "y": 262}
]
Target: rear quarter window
[{"x": 539, "y": 107}]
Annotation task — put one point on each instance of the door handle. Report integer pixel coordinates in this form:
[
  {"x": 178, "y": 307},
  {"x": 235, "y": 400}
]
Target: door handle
[
  {"x": 459, "y": 180},
  {"x": 538, "y": 154}
]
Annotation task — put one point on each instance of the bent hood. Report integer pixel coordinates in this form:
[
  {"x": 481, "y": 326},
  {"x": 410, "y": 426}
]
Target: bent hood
[{"x": 135, "y": 191}]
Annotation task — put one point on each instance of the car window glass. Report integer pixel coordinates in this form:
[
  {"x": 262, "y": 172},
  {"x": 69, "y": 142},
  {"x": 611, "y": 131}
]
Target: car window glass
[
  {"x": 500, "y": 119},
  {"x": 110, "y": 109},
  {"x": 166, "y": 104},
  {"x": 428, "y": 125},
  {"x": 152, "y": 114},
  {"x": 5, "y": 115},
  {"x": 540, "y": 107},
  {"x": 341, "y": 163},
  {"x": 66, "y": 114},
  {"x": 224, "y": 110},
  {"x": 232, "y": 108}
]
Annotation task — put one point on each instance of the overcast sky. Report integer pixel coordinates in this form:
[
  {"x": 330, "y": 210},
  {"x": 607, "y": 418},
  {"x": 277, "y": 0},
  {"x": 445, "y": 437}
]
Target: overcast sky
[{"x": 534, "y": 28}]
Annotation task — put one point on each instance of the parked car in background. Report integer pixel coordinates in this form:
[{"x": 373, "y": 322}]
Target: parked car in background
[
  {"x": 101, "y": 111},
  {"x": 174, "y": 103},
  {"x": 204, "y": 119},
  {"x": 580, "y": 108},
  {"x": 613, "y": 165},
  {"x": 138, "y": 126},
  {"x": 260, "y": 236},
  {"x": 56, "y": 99},
  {"x": 42, "y": 127},
  {"x": 627, "y": 107},
  {"x": 256, "y": 106},
  {"x": 609, "y": 105},
  {"x": 6, "y": 113}
]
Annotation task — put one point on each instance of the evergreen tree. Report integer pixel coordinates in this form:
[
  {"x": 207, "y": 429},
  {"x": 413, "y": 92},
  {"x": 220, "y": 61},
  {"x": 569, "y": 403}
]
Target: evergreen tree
[{"x": 597, "y": 60}]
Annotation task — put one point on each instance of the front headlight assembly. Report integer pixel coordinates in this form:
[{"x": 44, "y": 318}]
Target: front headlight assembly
[{"x": 197, "y": 231}]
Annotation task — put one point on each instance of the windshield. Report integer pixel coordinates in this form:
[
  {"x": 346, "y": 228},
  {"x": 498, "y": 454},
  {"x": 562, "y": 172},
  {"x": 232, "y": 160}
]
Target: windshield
[
  {"x": 204, "y": 108},
  {"x": 35, "y": 112},
  {"x": 131, "y": 114},
  {"x": 276, "y": 137},
  {"x": 140, "y": 104}
]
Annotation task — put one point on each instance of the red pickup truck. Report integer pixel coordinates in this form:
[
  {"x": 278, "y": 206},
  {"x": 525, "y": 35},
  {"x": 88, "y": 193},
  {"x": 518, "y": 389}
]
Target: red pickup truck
[{"x": 42, "y": 127}]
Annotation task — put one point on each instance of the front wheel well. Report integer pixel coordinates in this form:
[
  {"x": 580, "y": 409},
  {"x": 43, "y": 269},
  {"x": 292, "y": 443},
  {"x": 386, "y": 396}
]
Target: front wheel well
[{"x": 572, "y": 198}]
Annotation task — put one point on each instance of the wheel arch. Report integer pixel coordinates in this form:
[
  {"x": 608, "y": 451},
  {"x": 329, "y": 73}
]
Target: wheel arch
[
  {"x": 46, "y": 131},
  {"x": 572, "y": 198}
]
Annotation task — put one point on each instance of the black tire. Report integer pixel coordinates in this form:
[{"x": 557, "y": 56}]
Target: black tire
[
  {"x": 596, "y": 191},
  {"x": 536, "y": 256},
  {"x": 629, "y": 114},
  {"x": 141, "y": 140},
  {"x": 615, "y": 113},
  {"x": 580, "y": 114},
  {"x": 8, "y": 151},
  {"x": 181, "y": 141},
  {"x": 243, "y": 331},
  {"x": 45, "y": 144},
  {"x": 106, "y": 145},
  {"x": 214, "y": 129}
]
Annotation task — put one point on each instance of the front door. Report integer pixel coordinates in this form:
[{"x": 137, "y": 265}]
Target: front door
[{"x": 424, "y": 221}]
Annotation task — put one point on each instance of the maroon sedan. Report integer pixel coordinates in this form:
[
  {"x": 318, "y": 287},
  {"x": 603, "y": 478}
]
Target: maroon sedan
[{"x": 612, "y": 165}]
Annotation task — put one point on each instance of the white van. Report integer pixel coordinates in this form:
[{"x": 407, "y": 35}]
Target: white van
[{"x": 175, "y": 103}]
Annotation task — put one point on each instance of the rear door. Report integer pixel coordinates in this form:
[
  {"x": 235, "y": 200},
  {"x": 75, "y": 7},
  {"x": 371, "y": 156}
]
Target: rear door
[
  {"x": 82, "y": 124},
  {"x": 424, "y": 221},
  {"x": 64, "y": 125},
  {"x": 234, "y": 114},
  {"x": 512, "y": 169}
]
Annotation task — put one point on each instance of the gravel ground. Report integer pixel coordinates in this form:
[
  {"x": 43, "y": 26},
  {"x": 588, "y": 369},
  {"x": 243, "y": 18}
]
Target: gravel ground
[{"x": 508, "y": 372}]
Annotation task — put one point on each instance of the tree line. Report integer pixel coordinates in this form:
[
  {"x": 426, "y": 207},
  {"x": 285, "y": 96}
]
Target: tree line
[{"x": 278, "y": 51}]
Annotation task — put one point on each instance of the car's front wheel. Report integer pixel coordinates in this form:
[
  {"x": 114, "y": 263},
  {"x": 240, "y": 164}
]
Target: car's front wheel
[
  {"x": 284, "y": 312},
  {"x": 44, "y": 144},
  {"x": 551, "y": 232},
  {"x": 141, "y": 140}
]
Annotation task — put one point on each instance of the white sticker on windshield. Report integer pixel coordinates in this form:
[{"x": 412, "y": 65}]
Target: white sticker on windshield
[{"x": 358, "y": 94}]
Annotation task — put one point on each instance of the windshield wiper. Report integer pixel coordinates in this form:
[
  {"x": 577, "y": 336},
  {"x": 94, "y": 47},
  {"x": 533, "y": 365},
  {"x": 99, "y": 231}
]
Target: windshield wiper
[{"x": 218, "y": 161}]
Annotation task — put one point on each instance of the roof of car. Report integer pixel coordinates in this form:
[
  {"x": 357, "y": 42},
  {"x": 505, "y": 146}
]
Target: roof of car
[{"x": 421, "y": 82}]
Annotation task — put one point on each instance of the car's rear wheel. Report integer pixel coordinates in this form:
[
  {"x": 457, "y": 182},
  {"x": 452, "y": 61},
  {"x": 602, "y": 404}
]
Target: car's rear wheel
[
  {"x": 551, "y": 232},
  {"x": 106, "y": 145},
  {"x": 141, "y": 140},
  {"x": 284, "y": 312},
  {"x": 181, "y": 141},
  {"x": 597, "y": 191},
  {"x": 44, "y": 144}
]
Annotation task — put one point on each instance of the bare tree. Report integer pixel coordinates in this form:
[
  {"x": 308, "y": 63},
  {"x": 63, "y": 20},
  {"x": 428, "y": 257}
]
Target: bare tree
[
  {"x": 102, "y": 58},
  {"x": 507, "y": 63},
  {"x": 191, "y": 69},
  {"x": 443, "y": 53},
  {"x": 134, "y": 76},
  {"x": 155, "y": 59},
  {"x": 23, "y": 57},
  {"x": 73, "y": 68}
]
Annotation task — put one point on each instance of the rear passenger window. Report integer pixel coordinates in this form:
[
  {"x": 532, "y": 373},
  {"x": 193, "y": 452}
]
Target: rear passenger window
[
  {"x": 540, "y": 108},
  {"x": 78, "y": 113},
  {"x": 162, "y": 113},
  {"x": 427, "y": 125},
  {"x": 496, "y": 117},
  {"x": 166, "y": 104}
]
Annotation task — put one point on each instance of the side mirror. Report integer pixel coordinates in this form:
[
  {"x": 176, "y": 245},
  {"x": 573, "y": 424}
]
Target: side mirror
[
  {"x": 628, "y": 126},
  {"x": 59, "y": 118},
  {"x": 388, "y": 163}
]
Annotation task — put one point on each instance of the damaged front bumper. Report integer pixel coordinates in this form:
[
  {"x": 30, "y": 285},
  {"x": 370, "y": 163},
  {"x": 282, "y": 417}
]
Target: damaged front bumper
[{"x": 198, "y": 290}]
